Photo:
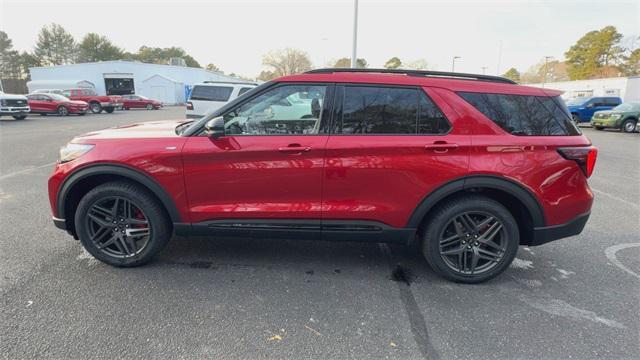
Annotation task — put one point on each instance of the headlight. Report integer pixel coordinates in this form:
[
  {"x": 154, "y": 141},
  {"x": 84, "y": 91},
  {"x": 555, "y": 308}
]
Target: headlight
[
  {"x": 615, "y": 116},
  {"x": 3, "y": 102},
  {"x": 73, "y": 151}
]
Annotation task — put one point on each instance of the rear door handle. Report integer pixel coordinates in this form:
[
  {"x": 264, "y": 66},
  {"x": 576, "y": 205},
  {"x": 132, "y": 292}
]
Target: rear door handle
[
  {"x": 441, "y": 146},
  {"x": 294, "y": 149}
]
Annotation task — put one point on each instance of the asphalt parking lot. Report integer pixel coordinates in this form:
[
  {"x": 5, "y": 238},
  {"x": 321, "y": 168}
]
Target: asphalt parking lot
[{"x": 259, "y": 298}]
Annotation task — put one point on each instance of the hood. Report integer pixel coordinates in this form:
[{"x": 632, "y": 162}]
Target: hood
[
  {"x": 152, "y": 129},
  {"x": 12, "y": 97}
]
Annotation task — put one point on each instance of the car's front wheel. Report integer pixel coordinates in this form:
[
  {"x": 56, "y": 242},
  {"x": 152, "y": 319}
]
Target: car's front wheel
[
  {"x": 470, "y": 239},
  {"x": 109, "y": 110},
  {"x": 629, "y": 126},
  {"x": 63, "y": 111},
  {"x": 95, "y": 107},
  {"x": 122, "y": 224}
]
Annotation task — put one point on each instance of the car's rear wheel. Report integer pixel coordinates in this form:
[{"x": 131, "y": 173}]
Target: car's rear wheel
[
  {"x": 63, "y": 111},
  {"x": 149, "y": 107},
  {"x": 122, "y": 224},
  {"x": 95, "y": 107},
  {"x": 575, "y": 119},
  {"x": 470, "y": 239},
  {"x": 629, "y": 126}
]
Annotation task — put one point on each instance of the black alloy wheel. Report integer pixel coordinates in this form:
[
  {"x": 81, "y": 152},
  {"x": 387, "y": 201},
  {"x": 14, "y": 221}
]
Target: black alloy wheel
[
  {"x": 117, "y": 227},
  {"x": 122, "y": 224},
  {"x": 470, "y": 239}
]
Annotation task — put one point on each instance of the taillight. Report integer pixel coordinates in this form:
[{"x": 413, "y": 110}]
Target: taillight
[
  {"x": 584, "y": 156},
  {"x": 189, "y": 105}
]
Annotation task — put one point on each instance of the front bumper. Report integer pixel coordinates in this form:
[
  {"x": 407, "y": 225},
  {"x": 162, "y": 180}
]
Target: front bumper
[
  {"x": 10, "y": 110},
  {"x": 543, "y": 235},
  {"x": 59, "y": 223},
  {"x": 606, "y": 123}
]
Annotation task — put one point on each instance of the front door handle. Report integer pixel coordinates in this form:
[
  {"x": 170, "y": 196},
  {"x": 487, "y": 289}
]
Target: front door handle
[{"x": 441, "y": 146}]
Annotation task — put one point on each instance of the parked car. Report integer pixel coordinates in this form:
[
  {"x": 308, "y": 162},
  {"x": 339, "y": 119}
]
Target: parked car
[
  {"x": 97, "y": 103},
  {"x": 14, "y": 105},
  {"x": 624, "y": 117},
  {"x": 140, "y": 102},
  {"x": 464, "y": 167},
  {"x": 56, "y": 104},
  {"x": 48, "y": 91},
  {"x": 582, "y": 109},
  {"x": 210, "y": 96}
]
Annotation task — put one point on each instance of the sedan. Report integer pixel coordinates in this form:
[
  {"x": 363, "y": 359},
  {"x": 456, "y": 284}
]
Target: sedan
[
  {"x": 141, "y": 102},
  {"x": 56, "y": 104}
]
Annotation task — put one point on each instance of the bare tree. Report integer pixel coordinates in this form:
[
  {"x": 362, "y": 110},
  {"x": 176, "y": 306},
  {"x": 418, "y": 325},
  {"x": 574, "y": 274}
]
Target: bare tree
[{"x": 286, "y": 62}]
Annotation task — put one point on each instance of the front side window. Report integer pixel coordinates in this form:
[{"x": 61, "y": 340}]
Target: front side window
[
  {"x": 523, "y": 114},
  {"x": 211, "y": 93},
  {"x": 284, "y": 110},
  {"x": 388, "y": 110}
]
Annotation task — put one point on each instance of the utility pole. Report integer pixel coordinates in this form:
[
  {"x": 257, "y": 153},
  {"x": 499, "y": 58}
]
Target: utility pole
[
  {"x": 484, "y": 70},
  {"x": 453, "y": 63},
  {"x": 354, "y": 59},
  {"x": 544, "y": 76}
]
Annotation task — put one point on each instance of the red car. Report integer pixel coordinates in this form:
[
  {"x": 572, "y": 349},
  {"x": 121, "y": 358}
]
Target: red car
[
  {"x": 56, "y": 104},
  {"x": 96, "y": 102},
  {"x": 467, "y": 167},
  {"x": 139, "y": 101}
]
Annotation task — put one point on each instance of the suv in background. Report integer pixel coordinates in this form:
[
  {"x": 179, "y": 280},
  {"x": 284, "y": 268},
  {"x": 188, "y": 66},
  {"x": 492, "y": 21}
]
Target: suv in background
[
  {"x": 465, "y": 168},
  {"x": 582, "y": 109},
  {"x": 97, "y": 103},
  {"x": 210, "y": 96},
  {"x": 624, "y": 117},
  {"x": 14, "y": 105}
]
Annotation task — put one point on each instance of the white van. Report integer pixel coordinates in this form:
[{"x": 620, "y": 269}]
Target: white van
[{"x": 211, "y": 95}]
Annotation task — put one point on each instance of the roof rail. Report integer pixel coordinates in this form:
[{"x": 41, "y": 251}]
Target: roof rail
[
  {"x": 229, "y": 82},
  {"x": 426, "y": 73}
]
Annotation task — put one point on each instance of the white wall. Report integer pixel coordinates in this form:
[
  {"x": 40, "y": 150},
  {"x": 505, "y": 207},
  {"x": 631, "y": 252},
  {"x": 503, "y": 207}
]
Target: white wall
[
  {"x": 626, "y": 88},
  {"x": 94, "y": 72}
]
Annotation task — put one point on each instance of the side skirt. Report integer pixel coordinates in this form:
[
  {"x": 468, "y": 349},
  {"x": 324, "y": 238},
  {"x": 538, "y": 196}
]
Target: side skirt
[{"x": 328, "y": 230}]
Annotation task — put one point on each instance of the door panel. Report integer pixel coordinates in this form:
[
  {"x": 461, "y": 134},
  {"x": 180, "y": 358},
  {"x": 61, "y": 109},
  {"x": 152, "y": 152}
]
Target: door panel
[
  {"x": 384, "y": 177},
  {"x": 267, "y": 166}
]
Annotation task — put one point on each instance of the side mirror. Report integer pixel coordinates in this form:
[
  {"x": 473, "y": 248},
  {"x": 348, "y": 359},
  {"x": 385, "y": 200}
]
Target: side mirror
[{"x": 214, "y": 128}]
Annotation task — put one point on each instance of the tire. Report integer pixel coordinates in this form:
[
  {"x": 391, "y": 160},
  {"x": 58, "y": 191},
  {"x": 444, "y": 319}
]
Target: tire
[
  {"x": 43, "y": 114},
  {"x": 82, "y": 114},
  {"x": 109, "y": 110},
  {"x": 95, "y": 107},
  {"x": 63, "y": 111},
  {"x": 20, "y": 117},
  {"x": 503, "y": 245},
  {"x": 628, "y": 126},
  {"x": 149, "y": 107},
  {"x": 575, "y": 119},
  {"x": 132, "y": 242},
  {"x": 599, "y": 128}
]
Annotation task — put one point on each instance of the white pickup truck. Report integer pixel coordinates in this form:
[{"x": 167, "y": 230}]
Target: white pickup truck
[{"x": 13, "y": 105}]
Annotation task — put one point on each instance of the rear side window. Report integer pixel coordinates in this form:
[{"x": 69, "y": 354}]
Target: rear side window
[
  {"x": 523, "y": 114},
  {"x": 612, "y": 101},
  {"x": 387, "y": 110},
  {"x": 211, "y": 93},
  {"x": 243, "y": 90}
]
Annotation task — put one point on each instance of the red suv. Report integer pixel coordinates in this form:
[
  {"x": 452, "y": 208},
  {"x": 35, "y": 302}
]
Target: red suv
[
  {"x": 97, "y": 103},
  {"x": 467, "y": 167}
]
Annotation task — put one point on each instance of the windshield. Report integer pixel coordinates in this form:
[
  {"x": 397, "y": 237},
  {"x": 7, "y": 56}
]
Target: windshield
[
  {"x": 576, "y": 101},
  {"x": 628, "y": 107},
  {"x": 58, "y": 97}
]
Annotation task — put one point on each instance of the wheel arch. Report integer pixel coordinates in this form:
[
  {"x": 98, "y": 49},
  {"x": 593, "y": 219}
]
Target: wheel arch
[
  {"x": 80, "y": 182},
  {"x": 515, "y": 197}
]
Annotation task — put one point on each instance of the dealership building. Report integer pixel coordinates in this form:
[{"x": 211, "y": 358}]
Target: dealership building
[
  {"x": 627, "y": 88},
  {"x": 170, "y": 84}
]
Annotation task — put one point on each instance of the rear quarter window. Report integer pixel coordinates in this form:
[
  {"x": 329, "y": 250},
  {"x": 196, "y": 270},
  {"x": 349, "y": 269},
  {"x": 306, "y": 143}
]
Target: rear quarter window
[
  {"x": 211, "y": 93},
  {"x": 524, "y": 115}
]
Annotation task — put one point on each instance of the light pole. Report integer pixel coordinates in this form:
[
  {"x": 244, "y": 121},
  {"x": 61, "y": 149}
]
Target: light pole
[
  {"x": 453, "y": 63},
  {"x": 354, "y": 62},
  {"x": 484, "y": 70},
  {"x": 544, "y": 76}
]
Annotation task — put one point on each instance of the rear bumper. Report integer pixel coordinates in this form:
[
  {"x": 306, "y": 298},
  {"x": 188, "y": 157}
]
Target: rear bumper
[{"x": 543, "y": 235}]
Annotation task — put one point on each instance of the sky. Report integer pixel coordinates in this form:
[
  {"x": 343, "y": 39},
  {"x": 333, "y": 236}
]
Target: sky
[{"x": 235, "y": 35}]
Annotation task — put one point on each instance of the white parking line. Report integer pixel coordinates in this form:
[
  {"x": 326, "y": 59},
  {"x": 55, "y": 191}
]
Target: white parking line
[
  {"x": 611, "y": 255},
  {"x": 632, "y": 204},
  {"x": 20, "y": 172}
]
